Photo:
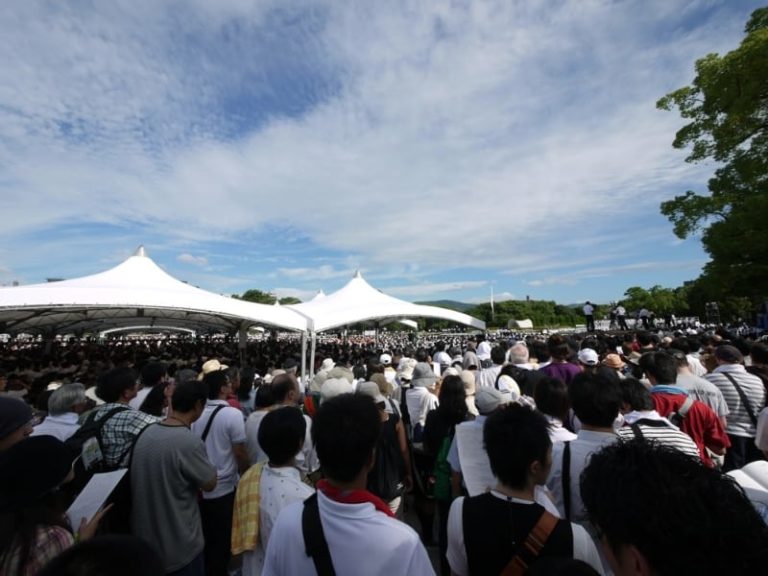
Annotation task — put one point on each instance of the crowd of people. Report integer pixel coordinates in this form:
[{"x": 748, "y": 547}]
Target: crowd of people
[{"x": 593, "y": 453}]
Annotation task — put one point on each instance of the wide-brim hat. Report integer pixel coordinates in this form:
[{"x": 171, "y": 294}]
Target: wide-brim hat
[
  {"x": 423, "y": 375},
  {"x": 211, "y": 366}
]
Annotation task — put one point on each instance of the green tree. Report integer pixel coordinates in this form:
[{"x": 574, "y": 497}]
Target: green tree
[
  {"x": 289, "y": 300},
  {"x": 727, "y": 112},
  {"x": 257, "y": 296}
]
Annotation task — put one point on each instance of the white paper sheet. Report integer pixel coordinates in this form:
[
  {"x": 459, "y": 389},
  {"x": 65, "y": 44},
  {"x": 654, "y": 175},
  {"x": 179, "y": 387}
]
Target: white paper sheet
[
  {"x": 475, "y": 467},
  {"x": 93, "y": 496}
]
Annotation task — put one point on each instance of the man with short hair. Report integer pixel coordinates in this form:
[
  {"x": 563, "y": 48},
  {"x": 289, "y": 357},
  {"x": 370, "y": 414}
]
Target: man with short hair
[
  {"x": 700, "y": 388},
  {"x": 64, "y": 408},
  {"x": 488, "y": 376},
  {"x": 595, "y": 399},
  {"x": 222, "y": 430},
  {"x": 589, "y": 316},
  {"x": 356, "y": 529},
  {"x": 642, "y": 421},
  {"x": 699, "y": 421},
  {"x": 745, "y": 395},
  {"x": 481, "y": 528},
  {"x": 169, "y": 467},
  {"x": 660, "y": 512}
]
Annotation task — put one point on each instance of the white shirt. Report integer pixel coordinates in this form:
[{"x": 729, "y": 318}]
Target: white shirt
[
  {"x": 141, "y": 395},
  {"x": 420, "y": 401},
  {"x": 61, "y": 426},
  {"x": 306, "y": 459},
  {"x": 484, "y": 350},
  {"x": 227, "y": 429},
  {"x": 583, "y": 546},
  {"x": 558, "y": 432},
  {"x": 586, "y": 443},
  {"x": 278, "y": 488},
  {"x": 255, "y": 453},
  {"x": 588, "y": 310},
  {"x": 487, "y": 376},
  {"x": 362, "y": 542}
]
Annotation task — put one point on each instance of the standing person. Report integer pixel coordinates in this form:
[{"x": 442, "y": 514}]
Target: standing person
[
  {"x": 745, "y": 395},
  {"x": 152, "y": 374},
  {"x": 589, "y": 316},
  {"x": 64, "y": 408},
  {"x": 222, "y": 429},
  {"x": 438, "y": 435},
  {"x": 481, "y": 528},
  {"x": 169, "y": 467},
  {"x": 15, "y": 421},
  {"x": 621, "y": 316},
  {"x": 344, "y": 528},
  {"x": 268, "y": 487},
  {"x": 560, "y": 367}
]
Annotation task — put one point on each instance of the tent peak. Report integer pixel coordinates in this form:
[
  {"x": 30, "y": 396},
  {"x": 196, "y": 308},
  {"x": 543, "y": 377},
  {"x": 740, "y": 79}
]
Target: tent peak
[
  {"x": 141, "y": 251},
  {"x": 357, "y": 274}
]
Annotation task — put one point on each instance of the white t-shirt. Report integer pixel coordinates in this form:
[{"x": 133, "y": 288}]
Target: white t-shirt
[
  {"x": 588, "y": 310},
  {"x": 227, "y": 429},
  {"x": 362, "y": 542},
  {"x": 61, "y": 426},
  {"x": 306, "y": 459},
  {"x": 141, "y": 395},
  {"x": 583, "y": 546}
]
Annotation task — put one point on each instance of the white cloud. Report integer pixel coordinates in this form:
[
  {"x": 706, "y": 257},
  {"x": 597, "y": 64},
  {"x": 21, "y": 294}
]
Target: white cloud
[
  {"x": 190, "y": 259},
  {"x": 441, "y": 134},
  {"x": 428, "y": 289}
]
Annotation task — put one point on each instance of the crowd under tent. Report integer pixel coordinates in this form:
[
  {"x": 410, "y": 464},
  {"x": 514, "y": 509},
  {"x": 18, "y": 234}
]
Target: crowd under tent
[{"x": 358, "y": 302}]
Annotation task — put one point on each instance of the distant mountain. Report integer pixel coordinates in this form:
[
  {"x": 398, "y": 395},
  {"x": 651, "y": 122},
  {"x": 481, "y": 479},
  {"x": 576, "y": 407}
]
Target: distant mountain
[{"x": 450, "y": 304}]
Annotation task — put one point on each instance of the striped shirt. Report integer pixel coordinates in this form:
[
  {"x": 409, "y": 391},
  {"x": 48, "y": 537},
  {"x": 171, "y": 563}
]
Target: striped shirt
[
  {"x": 654, "y": 428},
  {"x": 738, "y": 422}
]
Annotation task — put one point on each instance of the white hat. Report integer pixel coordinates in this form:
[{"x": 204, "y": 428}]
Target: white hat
[
  {"x": 589, "y": 357},
  {"x": 91, "y": 393},
  {"x": 385, "y": 359},
  {"x": 211, "y": 366},
  {"x": 333, "y": 387},
  {"x": 371, "y": 389},
  {"x": 327, "y": 364},
  {"x": 488, "y": 399}
]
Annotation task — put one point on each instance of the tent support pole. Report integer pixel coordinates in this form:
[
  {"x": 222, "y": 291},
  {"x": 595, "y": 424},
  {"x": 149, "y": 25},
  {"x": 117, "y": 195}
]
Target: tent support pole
[
  {"x": 312, "y": 349},
  {"x": 242, "y": 343},
  {"x": 304, "y": 359}
]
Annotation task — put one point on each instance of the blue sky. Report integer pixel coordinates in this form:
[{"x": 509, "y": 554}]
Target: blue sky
[{"x": 443, "y": 148}]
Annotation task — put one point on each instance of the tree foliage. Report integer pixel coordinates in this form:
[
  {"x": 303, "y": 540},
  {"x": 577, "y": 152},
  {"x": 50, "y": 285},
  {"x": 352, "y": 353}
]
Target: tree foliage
[
  {"x": 657, "y": 299},
  {"x": 543, "y": 313},
  {"x": 257, "y": 296},
  {"x": 727, "y": 112}
]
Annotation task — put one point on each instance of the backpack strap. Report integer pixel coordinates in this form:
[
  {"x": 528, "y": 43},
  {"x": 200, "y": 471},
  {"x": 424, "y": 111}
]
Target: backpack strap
[
  {"x": 685, "y": 407},
  {"x": 743, "y": 396},
  {"x": 531, "y": 548},
  {"x": 314, "y": 537},
  {"x": 566, "y": 473},
  {"x": 210, "y": 421},
  {"x": 637, "y": 431},
  {"x": 132, "y": 447}
]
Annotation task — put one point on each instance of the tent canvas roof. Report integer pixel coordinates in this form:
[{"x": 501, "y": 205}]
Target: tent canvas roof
[
  {"x": 358, "y": 301},
  {"x": 135, "y": 292}
]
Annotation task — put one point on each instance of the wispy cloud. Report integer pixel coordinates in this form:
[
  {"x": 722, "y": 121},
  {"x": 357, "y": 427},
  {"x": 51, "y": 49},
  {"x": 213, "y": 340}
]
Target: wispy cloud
[
  {"x": 416, "y": 290},
  {"x": 187, "y": 258}
]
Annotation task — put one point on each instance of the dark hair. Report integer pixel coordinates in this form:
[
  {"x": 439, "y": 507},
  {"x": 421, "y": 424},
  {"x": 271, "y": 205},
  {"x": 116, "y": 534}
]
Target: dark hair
[
  {"x": 188, "y": 394},
  {"x": 498, "y": 354},
  {"x": 759, "y": 353},
  {"x": 514, "y": 438},
  {"x": 215, "y": 381},
  {"x": 551, "y": 397},
  {"x": 558, "y": 347},
  {"x": 247, "y": 376},
  {"x": 452, "y": 397},
  {"x": 154, "y": 402},
  {"x": 660, "y": 365},
  {"x": 595, "y": 398},
  {"x": 264, "y": 397},
  {"x": 281, "y": 433},
  {"x": 282, "y": 385},
  {"x": 634, "y": 393},
  {"x": 113, "y": 383},
  {"x": 345, "y": 432},
  {"x": 540, "y": 350},
  {"x": 681, "y": 344},
  {"x": 112, "y": 555},
  {"x": 684, "y": 517},
  {"x": 152, "y": 373},
  {"x": 644, "y": 339}
]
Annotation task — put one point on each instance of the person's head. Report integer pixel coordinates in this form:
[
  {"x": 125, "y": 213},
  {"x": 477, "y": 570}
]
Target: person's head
[
  {"x": 218, "y": 384},
  {"x": 681, "y": 343},
  {"x": 551, "y": 397},
  {"x": 635, "y": 396},
  {"x": 281, "y": 434},
  {"x": 727, "y": 354},
  {"x": 677, "y": 516},
  {"x": 645, "y": 339},
  {"x": 558, "y": 347},
  {"x": 15, "y": 421},
  {"x": 264, "y": 397},
  {"x": 595, "y": 398},
  {"x": 498, "y": 354},
  {"x": 345, "y": 433},
  {"x": 519, "y": 354},
  {"x": 153, "y": 373},
  {"x": 517, "y": 441},
  {"x": 118, "y": 385},
  {"x": 759, "y": 354},
  {"x": 659, "y": 367},
  {"x": 488, "y": 400},
  {"x": 189, "y": 398},
  {"x": 285, "y": 389},
  {"x": 452, "y": 399},
  {"x": 67, "y": 398}
]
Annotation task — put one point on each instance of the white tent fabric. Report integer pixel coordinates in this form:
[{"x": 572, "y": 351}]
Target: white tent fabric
[
  {"x": 136, "y": 292},
  {"x": 358, "y": 301}
]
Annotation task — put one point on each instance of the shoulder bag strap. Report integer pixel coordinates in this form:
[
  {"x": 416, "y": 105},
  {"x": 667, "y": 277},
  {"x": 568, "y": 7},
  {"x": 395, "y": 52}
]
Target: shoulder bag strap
[
  {"x": 743, "y": 396},
  {"x": 685, "y": 407},
  {"x": 537, "y": 538},
  {"x": 566, "y": 473},
  {"x": 314, "y": 538},
  {"x": 637, "y": 431},
  {"x": 132, "y": 447},
  {"x": 210, "y": 421}
]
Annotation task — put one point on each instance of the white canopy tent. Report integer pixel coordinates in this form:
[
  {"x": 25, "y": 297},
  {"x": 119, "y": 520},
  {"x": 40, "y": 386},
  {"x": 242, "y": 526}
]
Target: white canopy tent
[
  {"x": 358, "y": 301},
  {"x": 136, "y": 292}
]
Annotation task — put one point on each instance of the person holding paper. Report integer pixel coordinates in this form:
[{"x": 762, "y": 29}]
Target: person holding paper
[
  {"x": 168, "y": 468},
  {"x": 33, "y": 527}
]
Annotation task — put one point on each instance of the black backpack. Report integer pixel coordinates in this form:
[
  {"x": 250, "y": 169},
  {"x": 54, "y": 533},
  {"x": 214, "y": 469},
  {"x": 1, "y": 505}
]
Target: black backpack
[{"x": 386, "y": 479}]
